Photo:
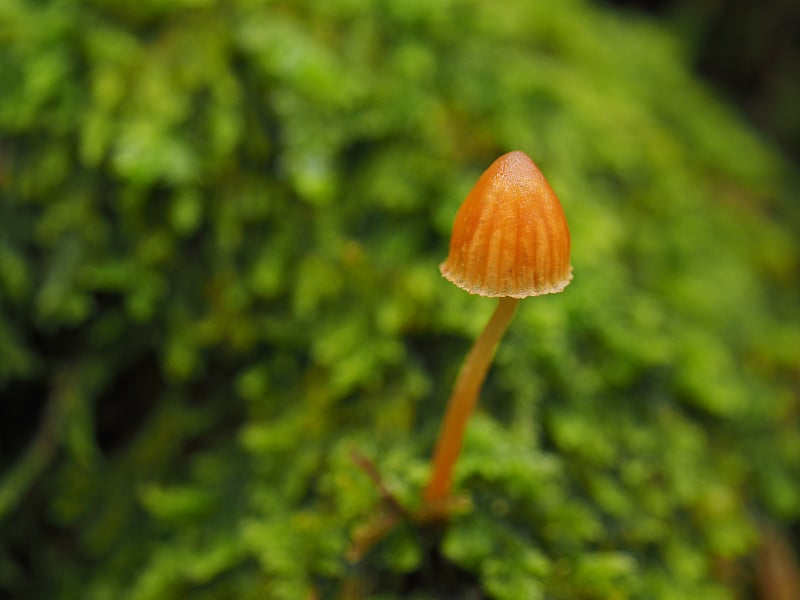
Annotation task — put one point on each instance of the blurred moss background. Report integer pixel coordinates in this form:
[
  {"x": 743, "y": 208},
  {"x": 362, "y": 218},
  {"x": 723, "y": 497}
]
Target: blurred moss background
[{"x": 220, "y": 225}]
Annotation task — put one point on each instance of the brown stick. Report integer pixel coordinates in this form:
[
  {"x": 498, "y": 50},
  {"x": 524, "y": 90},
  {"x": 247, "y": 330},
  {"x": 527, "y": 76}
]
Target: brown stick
[{"x": 463, "y": 400}]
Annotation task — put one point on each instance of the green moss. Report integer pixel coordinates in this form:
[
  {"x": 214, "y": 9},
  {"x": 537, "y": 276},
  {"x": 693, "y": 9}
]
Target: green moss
[{"x": 221, "y": 225}]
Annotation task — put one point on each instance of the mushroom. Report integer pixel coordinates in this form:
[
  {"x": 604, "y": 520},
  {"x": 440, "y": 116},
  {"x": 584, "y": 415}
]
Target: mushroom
[{"x": 510, "y": 240}]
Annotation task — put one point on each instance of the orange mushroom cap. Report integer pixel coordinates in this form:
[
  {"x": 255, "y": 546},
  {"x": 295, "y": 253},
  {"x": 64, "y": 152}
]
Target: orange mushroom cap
[{"x": 510, "y": 236}]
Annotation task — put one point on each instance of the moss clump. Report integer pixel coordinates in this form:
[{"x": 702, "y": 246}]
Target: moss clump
[{"x": 221, "y": 223}]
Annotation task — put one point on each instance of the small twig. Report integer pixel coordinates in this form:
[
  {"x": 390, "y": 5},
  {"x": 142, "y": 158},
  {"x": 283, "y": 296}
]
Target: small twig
[
  {"x": 391, "y": 512},
  {"x": 381, "y": 524},
  {"x": 371, "y": 471}
]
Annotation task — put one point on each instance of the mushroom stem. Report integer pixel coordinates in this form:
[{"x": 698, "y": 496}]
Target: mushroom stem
[{"x": 462, "y": 401}]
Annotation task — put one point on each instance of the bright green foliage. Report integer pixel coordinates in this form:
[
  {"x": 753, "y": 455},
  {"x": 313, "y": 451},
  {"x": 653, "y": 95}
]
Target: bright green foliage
[{"x": 220, "y": 228}]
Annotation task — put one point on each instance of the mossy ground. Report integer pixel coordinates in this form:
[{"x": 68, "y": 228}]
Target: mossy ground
[{"x": 221, "y": 225}]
